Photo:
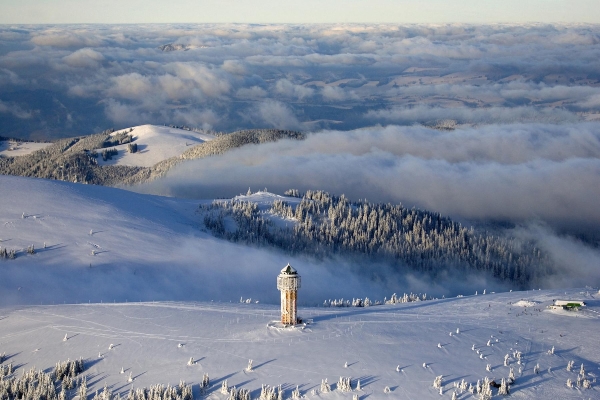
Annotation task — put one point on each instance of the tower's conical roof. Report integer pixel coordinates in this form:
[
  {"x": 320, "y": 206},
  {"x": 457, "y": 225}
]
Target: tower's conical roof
[{"x": 289, "y": 270}]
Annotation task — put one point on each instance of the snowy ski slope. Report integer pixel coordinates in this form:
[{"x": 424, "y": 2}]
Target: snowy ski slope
[{"x": 382, "y": 346}]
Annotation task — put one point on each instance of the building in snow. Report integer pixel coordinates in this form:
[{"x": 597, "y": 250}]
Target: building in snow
[
  {"x": 288, "y": 283},
  {"x": 567, "y": 305}
]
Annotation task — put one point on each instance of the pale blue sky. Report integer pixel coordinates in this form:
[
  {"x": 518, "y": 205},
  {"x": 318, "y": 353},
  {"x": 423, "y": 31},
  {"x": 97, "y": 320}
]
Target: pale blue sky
[{"x": 298, "y": 11}]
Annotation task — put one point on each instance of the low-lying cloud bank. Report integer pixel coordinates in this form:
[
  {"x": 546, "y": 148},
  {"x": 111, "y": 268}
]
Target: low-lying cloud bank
[
  {"x": 543, "y": 178},
  {"x": 70, "y": 80},
  {"x": 508, "y": 172}
]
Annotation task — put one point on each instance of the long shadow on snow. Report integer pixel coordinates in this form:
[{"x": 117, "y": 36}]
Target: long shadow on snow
[
  {"x": 265, "y": 363},
  {"x": 515, "y": 388},
  {"x": 90, "y": 362},
  {"x": 9, "y": 356},
  {"x": 217, "y": 382},
  {"x": 366, "y": 380},
  {"x": 380, "y": 309},
  {"x": 457, "y": 379}
]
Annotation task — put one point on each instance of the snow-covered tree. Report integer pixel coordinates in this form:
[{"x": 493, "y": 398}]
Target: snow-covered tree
[
  {"x": 249, "y": 367},
  {"x": 503, "y": 390},
  {"x": 224, "y": 387},
  {"x": 205, "y": 383},
  {"x": 570, "y": 365},
  {"x": 296, "y": 394},
  {"x": 437, "y": 382},
  {"x": 344, "y": 384},
  {"x": 325, "y": 388},
  {"x": 511, "y": 375}
]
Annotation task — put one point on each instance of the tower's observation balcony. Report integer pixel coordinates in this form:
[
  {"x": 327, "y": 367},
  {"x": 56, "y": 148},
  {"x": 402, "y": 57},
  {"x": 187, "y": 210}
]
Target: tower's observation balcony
[{"x": 288, "y": 279}]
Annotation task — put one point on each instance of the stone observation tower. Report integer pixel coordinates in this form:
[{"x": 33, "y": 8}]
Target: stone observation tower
[{"x": 288, "y": 282}]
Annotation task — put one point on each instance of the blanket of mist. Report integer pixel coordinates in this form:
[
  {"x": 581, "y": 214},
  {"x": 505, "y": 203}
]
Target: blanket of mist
[
  {"x": 66, "y": 80},
  {"x": 521, "y": 173},
  {"x": 402, "y": 346}
]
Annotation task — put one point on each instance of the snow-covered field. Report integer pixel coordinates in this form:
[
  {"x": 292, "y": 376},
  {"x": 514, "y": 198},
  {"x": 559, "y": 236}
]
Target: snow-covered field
[
  {"x": 106, "y": 249},
  {"x": 105, "y": 244},
  {"x": 380, "y": 345},
  {"x": 10, "y": 148},
  {"x": 155, "y": 143}
]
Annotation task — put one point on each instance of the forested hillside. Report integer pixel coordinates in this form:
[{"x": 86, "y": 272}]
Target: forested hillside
[
  {"x": 75, "y": 160},
  {"x": 324, "y": 225},
  {"x": 71, "y": 160}
]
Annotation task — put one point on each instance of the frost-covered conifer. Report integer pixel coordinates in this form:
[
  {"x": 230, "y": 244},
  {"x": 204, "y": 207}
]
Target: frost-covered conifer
[
  {"x": 506, "y": 363},
  {"x": 386, "y": 389},
  {"x": 296, "y": 394},
  {"x": 325, "y": 388},
  {"x": 191, "y": 361},
  {"x": 503, "y": 390},
  {"x": 437, "y": 382},
  {"x": 570, "y": 365},
  {"x": 511, "y": 375},
  {"x": 569, "y": 383},
  {"x": 344, "y": 384},
  {"x": 233, "y": 394},
  {"x": 586, "y": 384},
  {"x": 488, "y": 368},
  {"x": 536, "y": 369},
  {"x": 225, "y": 387},
  {"x": 205, "y": 384},
  {"x": 82, "y": 389}
]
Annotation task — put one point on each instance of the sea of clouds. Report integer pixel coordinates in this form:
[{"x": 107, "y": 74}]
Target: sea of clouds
[
  {"x": 496, "y": 123},
  {"x": 63, "y": 80}
]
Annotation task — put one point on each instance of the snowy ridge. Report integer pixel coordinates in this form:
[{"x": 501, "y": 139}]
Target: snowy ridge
[
  {"x": 155, "y": 143},
  {"x": 403, "y": 347}
]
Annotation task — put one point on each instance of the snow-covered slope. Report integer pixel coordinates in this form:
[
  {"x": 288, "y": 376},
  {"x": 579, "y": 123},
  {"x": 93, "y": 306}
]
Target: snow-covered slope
[
  {"x": 401, "y": 346},
  {"x": 10, "y": 148},
  {"x": 155, "y": 143},
  {"x": 105, "y": 244}
]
